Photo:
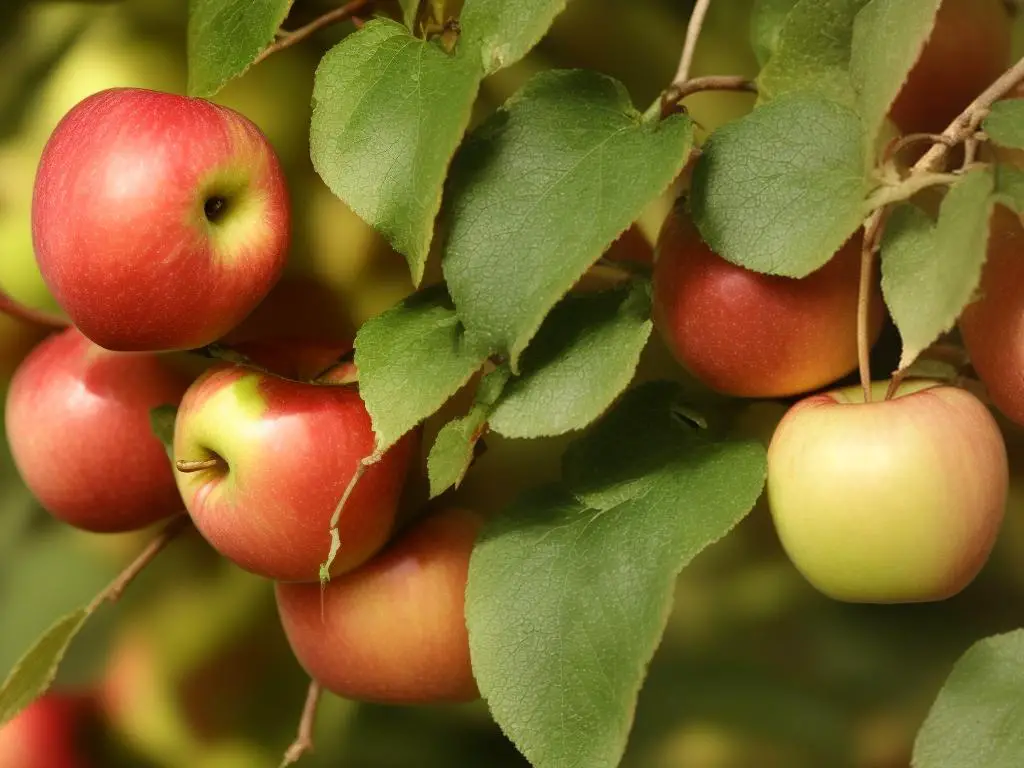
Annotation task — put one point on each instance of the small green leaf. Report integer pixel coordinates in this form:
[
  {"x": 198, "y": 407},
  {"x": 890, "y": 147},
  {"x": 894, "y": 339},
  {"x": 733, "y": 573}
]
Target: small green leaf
[
  {"x": 812, "y": 52},
  {"x": 780, "y": 190},
  {"x": 1010, "y": 186},
  {"x": 411, "y": 359},
  {"x": 35, "y": 671},
  {"x": 1005, "y": 123},
  {"x": 226, "y": 36},
  {"x": 977, "y": 720},
  {"x": 410, "y": 8},
  {"x": 389, "y": 109},
  {"x": 504, "y": 32},
  {"x": 161, "y": 421},
  {"x": 766, "y": 20},
  {"x": 930, "y": 269},
  {"x": 888, "y": 37},
  {"x": 570, "y": 588},
  {"x": 541, "y": 190},
  {"x": 583, "y": 357}
]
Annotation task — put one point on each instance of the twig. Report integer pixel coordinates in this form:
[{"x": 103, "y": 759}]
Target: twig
[
  {"x": 902, "y": 142},
  {"x": 16, "y": 309},
  {"x": 114, "y": 590},
  {"x": 679, "y": 91},
  {"x": 872, "y": 236},
  {"x": 693, "y": 27},
  {"x": 304, "y": 740},
  {"x": 288, "y": 39},
  {"x": 325, "y": 567}
]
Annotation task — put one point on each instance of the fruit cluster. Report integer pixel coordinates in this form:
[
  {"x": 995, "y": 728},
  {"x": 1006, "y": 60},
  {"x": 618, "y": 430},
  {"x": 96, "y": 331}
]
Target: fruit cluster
[{"x": 160, "y": 223}]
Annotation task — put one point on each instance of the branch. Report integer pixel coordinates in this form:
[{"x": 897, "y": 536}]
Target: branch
[
  {"x": 693, "y": 27},
  {"x": 16, "y": 309},
  {"x": 304, "y": 740},
  {"x": 288, "y": 39}
]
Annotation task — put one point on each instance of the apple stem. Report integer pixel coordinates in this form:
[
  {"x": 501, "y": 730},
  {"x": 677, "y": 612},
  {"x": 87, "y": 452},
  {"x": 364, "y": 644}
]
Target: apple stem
[
  {"x": 364, "y": 464},
  {"x": 186, "y": 465},
  {"x": 304, "y": 740},
  {"x": 872, "y": 236},
  {"x": 288, "y": 39},
  {"x": 16, "y": 309}
]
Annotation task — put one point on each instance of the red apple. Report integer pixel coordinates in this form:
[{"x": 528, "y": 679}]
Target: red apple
[
  {"x": 45, "y": 734},
  {"x": 895, "y": 500},
  {"x": 631, "y": 246},
  {"x": 748, "y": 334},
  {"x": 77, "y": 419},
  {"x": 394, "y": 630},
  {"x": 159, "y": 221},
  {"x": 284, "y": 453},
  {"x": 993, "y": 325}
]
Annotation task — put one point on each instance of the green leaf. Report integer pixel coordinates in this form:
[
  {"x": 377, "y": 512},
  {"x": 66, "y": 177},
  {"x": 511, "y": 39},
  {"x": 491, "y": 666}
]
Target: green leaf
[
  {"x": 570, "y": 588},
  {"x": 812, "y": 52},
  {"x": 1010, "y": 186},
  {"x": 161, "y": 421},
  {"x": 780, "y": 190},
  {"x": 930, "y": 269},
  {"x": 766, "y": 19},
  {"x": 582, "y": 358},
  {"x": 389, "y": 109},
  {"x": 541, "y": 190},
  {"x": 504, "y": 32},
  {"x": 226, "y": 36},
  {"x": 888, "y": 37},
  {"x": 1005, "y": 123},
  {"x": 35, "y": 671},
  {"x": 411, "y": 359},
  {"x": 410, "y": 8},
  {"x": 977, "y": 720}
]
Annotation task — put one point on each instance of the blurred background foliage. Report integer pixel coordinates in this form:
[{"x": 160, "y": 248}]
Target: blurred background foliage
[{"x": 191, "y": 669}]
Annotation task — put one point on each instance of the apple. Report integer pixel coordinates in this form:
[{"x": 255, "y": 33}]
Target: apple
[
  {"x": 45, "y": 734},
  {"x": 969, "y": 47},
  {"x": 159, "y": 221},
  {"x": 749, "y": 334},
  {"x": 394, "y": 630},
  {"x": 77, "y": 419},
  {"x": 992, "y": 326},
  {"x": 631, "y": 246},
  {"x": 890, "y": 501},
  {"x": 281, "y": 454}
]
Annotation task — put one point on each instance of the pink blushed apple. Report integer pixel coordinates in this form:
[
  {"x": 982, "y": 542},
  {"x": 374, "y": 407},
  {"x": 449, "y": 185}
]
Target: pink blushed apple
[
  {"x": 46, "y": 734},
  {"x": 888, "y": 501},
  {"x": 159, "y": 221},
  {"x": 284, "y": 452},
  {"x": 77, "y": 420}
]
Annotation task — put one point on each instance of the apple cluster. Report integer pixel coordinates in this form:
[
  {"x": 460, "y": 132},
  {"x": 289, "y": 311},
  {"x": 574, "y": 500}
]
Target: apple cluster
[{"x": 160, "y": 223}]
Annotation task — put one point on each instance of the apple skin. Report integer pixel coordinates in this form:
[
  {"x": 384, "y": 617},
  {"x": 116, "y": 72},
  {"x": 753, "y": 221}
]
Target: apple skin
[
  {"x": 993, "y": 325},
  {"x": 394, "y": 630},
  {"x": 890, "y": 501},
  {"x": 45, "y": 734},
  {"x": 288, "y": 450},
  {"x": 970, "y": 46},
  {"x": 124, "y": 222},
  {"x": 77, "y": 419},
  {"x": 748, "y": 334}
]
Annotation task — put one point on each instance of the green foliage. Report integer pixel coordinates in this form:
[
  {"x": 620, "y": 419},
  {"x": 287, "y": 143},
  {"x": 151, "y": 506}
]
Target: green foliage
[
  {"x": 570, "y": 587},
  {"x": 1005, "y": 123},
  {"x": 977, "y": 719},
  {"x": 931, "y": 269},
  {"x": 782, "y": 189},
  {"x": 389, "y": 110},
  {"x": 410, "y": 8},
  {"x": 1009, "y": 186},
  {"x": 502, "y": 32},
  {"x": 226, "y": 36},
  {"x": 541, "y": 190},
  {"x": 161, "y": 421},
  {"x": 766, "y": 20}
]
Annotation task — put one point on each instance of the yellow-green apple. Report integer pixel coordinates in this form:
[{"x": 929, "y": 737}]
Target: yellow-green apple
[
  {"x": 77, "y": 419},
  {"x": 159, "y": 221},
  {"x": 890, "y": 501},
  {"x": 280, "y": 455},
  {"x": 394, "y": 630},
  {"x": 993, "y": 325},
  {"x": 46, "y": 734},
  {"x": 749, "y": 334},
  {"x": 969, "y": 47}
]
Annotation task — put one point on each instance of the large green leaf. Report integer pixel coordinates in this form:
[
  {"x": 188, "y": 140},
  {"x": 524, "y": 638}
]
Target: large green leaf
[
  {"x": 782, "y": 189},
  {"x": 1005, "y": 123},
  {"x": 541, "y": 190},
  {"x": 503, "y": 32},
  {"x": 389, "y": 109},
  {"x": 766, "y": 20},
  {"x": 226, "y": 36},
  {"x": 570, "y": 588}
]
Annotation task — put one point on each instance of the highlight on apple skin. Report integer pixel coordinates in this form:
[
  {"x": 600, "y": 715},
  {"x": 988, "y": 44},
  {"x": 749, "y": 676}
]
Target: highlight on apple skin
[
  {"x": 284, "y": 452},
  {"x": 890, "y": 501},
  {"x": 159, "y": 221},
  {"x": 749, "y": 334},
  {"x": 77, "y": 420},
  {"x": 992, "y": 326},
  {"x": 394, "y": 630}
]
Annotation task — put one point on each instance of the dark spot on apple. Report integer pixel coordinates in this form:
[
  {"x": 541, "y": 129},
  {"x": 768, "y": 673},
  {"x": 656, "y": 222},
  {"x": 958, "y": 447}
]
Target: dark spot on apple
[{"x": 214, "y": 208}]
